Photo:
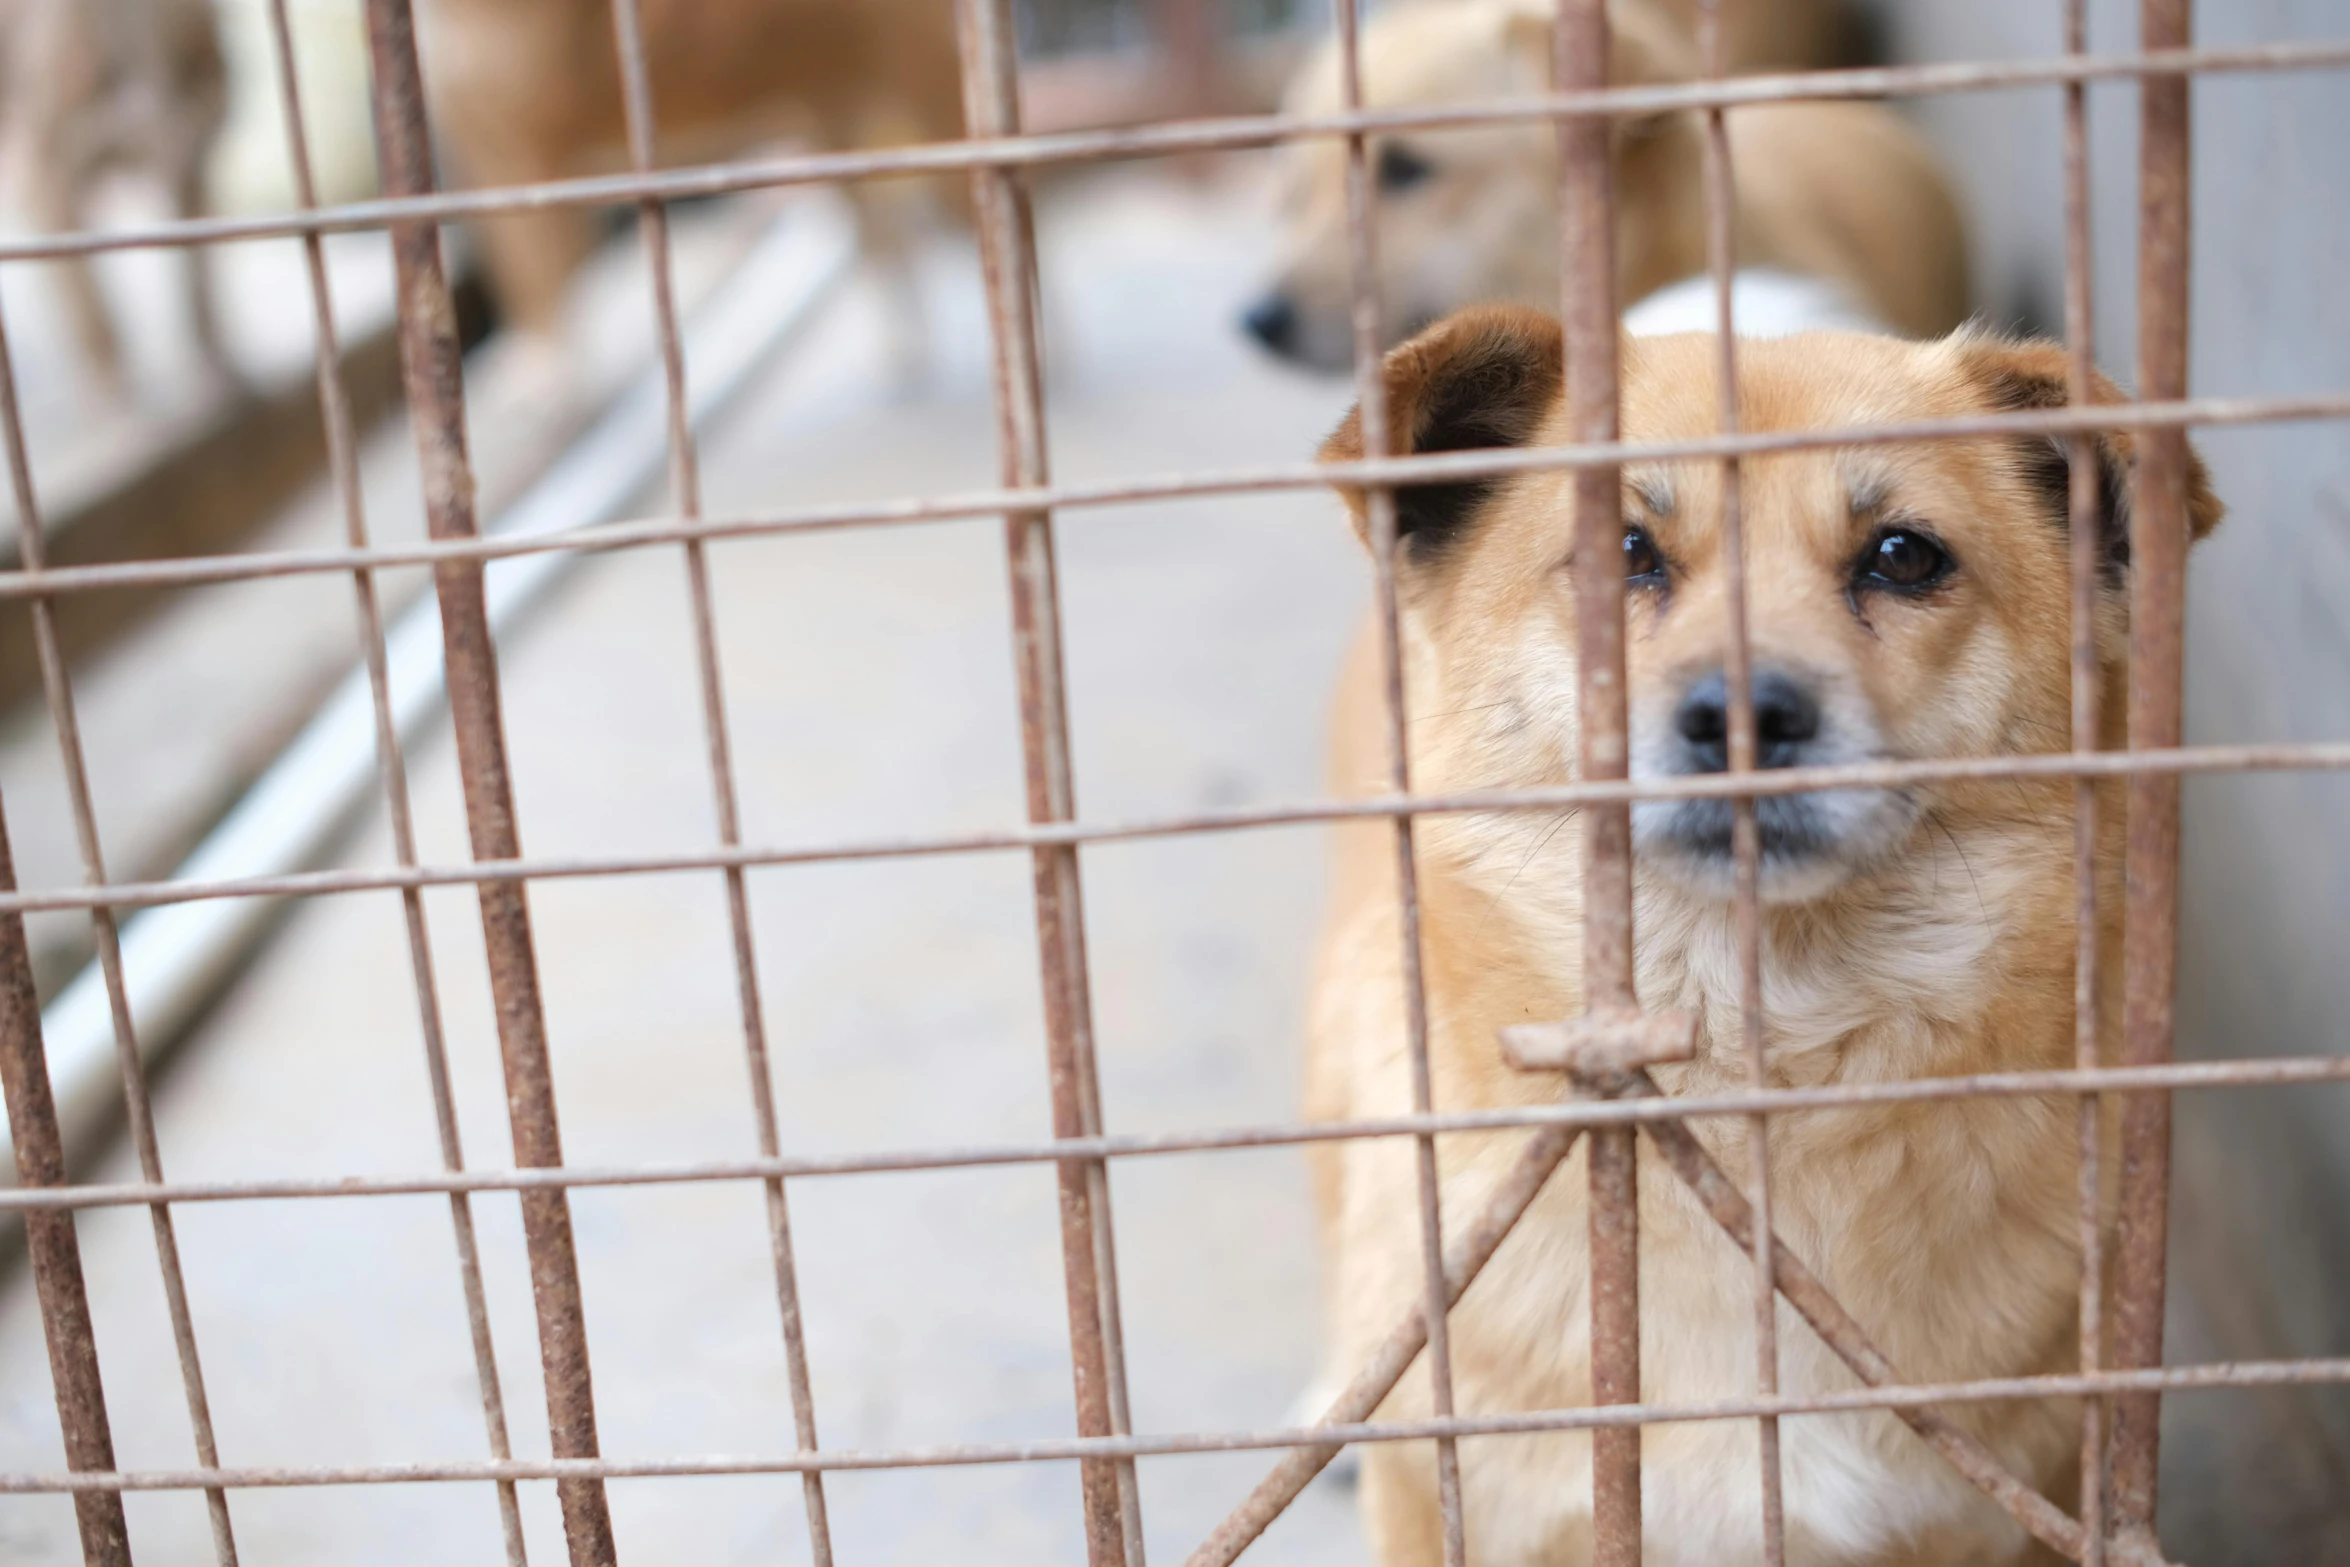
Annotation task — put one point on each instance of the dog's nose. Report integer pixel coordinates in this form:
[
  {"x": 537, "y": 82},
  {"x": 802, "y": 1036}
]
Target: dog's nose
[
  {"x": 1272, "y": 321},
  {"x": 1786, "y": 717}
]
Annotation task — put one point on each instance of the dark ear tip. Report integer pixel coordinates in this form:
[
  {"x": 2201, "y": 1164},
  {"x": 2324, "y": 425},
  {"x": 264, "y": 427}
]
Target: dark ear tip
[
  {"x": 2017, "y": 376},
  {"x": 2205, "y": 510},
  {"x": 1480, "y": 377}
]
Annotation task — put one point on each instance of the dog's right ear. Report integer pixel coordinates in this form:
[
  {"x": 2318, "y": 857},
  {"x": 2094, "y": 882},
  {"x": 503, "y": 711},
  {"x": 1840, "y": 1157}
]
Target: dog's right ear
[
  {"x": 1480, "y": 378},
  {"x": 2014, "y": 377}
]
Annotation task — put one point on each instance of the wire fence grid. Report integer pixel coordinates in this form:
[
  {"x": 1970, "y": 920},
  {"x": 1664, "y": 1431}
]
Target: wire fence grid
[{"x": 2121, "y": 1376}]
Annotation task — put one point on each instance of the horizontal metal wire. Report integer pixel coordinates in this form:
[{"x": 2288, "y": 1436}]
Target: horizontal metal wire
[
  {"x": 2313, "y": 757},
  {"x": 2217, "y": 1375},
  {"x": 2264, "y": 1073},
  {"x": 1135, "y": 142},
  {"x": 1425, "y": 468},
  {"x": 1185, "y": 136}
]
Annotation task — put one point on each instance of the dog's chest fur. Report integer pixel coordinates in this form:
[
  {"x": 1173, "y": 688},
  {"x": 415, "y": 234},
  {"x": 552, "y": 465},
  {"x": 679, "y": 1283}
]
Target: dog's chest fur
[{"x": 1943, "y": 1227}]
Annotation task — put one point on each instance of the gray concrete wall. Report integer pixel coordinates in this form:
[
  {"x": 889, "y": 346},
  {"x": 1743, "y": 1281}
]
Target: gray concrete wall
[{"x": 2262, "y": 1266}]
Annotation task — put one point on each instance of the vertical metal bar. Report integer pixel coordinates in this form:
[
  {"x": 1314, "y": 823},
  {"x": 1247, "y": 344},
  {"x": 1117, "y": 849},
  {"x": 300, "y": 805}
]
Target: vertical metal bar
[
  {"x": 1007, "y": 252},
  {"x": 51, "y": 1241},
  {"x": 1378, "y": 441},
  {"x": 1745, "y": 834},
  {"x": 2150, "y": 946},
  {"x": 1587, "y": 249},
  {"x": 685, "y": 489},
  {"x": 434, "y": 375},
  {"x": 2087, "y": 696},
  {"x": 58, "y": 687},
  {"x": 343, "y": 470},
  {"x": 1185, "y": 33}
]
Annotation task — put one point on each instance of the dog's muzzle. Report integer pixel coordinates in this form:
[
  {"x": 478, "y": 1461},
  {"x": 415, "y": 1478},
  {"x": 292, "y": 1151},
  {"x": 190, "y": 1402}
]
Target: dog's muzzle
[
  {"x": 1297, "y": 331},
  {"x": 1272, "y": 321},
  {"x": 1809, "y": 842}
]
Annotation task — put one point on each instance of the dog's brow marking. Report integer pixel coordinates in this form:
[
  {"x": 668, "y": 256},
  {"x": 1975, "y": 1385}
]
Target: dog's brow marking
[
  {"x": 1655, "y": 491},
  {"x": 1869, "y": 492}
]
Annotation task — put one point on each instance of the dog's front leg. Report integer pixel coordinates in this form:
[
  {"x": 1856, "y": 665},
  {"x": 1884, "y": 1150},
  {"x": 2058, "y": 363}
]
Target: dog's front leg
[{"x": 1399, "y": 1504}]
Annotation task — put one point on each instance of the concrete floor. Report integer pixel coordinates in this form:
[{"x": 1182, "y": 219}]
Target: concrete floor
[
  {"x": 180, "y": 712},
  {"x": 869, "y": 680}
]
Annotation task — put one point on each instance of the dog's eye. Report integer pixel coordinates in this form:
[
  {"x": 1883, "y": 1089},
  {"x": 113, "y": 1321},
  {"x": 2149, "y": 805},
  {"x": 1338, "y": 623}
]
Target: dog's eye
[
  {"x": 1903, "y": 559},
  {"x": 1643, "y": 566},
  {"x": 1400, "y": 168}
]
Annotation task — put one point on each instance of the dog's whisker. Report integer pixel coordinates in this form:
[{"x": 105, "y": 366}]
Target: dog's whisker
[
  {"x": 1481, "y": 707},
  {"x": 1540, "y": 844},
  {"x": 1981, "y": 907}
]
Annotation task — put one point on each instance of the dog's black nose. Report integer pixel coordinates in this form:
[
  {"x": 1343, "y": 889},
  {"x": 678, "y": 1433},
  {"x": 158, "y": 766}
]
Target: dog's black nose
[
  {"x": 1786, "y": 716},
  {"x": 1272, "y": 321}
]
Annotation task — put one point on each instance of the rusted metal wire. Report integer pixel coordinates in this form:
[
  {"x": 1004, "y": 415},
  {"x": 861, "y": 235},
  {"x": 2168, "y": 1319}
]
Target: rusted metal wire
[
  {"x": 996, "y": 154},
  {"x": 1007, "y": 254},
  {"x": 1375, "y": 422},
  {"x": 2309, "y": 757},
  {"x": 433, "y": 373},
  {"x": 343, "y": 473},
  {"x": 1188, "y": 35},
  {"x": 1472, "y": 1247},
  {"x": 54, "y": 1249},
  {"x": 1897, "y": 1397},
  {"x": 1179, "y": 137},
  {"x": 1369, "y": 473},
  {"x": 1777, "y": 1101},
  {"x": 2158, "y": 594},
  {"x": 1587, "y": 252},
  {"x": 57, "y": 689},
  {"x": 1845, "y": 1336},
  {"x": 1745, "y": 831},
  {"x": 685, "y": 494},
  {"x": 2087, "y": 714}
]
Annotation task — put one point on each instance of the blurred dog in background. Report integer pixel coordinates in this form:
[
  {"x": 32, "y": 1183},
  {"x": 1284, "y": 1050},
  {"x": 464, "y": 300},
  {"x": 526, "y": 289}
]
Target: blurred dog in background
[
  {"x": 530, "y": 90},
  {"x": 1779, "y": 35},
  {"x": 1842, "y": 193},
  {"x": 103, "y": 87}
]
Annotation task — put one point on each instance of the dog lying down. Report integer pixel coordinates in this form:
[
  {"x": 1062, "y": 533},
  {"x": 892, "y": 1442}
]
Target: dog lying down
[
  {"x": 1906, "y": 602},
  {"x": 1843, "y": 193}
]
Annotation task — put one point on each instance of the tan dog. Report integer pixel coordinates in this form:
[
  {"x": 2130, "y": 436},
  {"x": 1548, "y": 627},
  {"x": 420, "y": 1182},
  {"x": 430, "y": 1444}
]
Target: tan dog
[
  {"x": 102, "y": 87},
  {"x": 1907, "y": 602},
  {"x": 529, "y": 90},
  {"x": 1841, "y": 192}
]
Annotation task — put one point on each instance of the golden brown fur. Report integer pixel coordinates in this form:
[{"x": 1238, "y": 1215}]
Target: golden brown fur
[
  {"x": 1769, "y": 35},
  {"x": 1840, "y": 191},
  {"x": 529, "y": 90},
  {"x": 1937, "y": 940},
  {"x": 1777, "y": 35}
]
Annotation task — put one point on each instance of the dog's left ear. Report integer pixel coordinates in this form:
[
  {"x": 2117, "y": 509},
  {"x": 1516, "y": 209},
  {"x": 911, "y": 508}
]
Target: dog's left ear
[
  {"x": 2011, "y": 377},
  {"x": 1480, "y": 378}
]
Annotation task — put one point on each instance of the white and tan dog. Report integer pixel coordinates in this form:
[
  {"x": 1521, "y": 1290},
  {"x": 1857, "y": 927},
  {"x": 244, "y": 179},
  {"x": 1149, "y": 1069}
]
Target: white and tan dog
[
  {"x": 1843, "y": 195},
  {"x": 1906, "y": 602}
]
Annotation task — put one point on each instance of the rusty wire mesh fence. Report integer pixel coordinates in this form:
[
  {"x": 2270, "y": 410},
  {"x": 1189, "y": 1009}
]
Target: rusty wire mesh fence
[{"x": 2121, "y": 1375}]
